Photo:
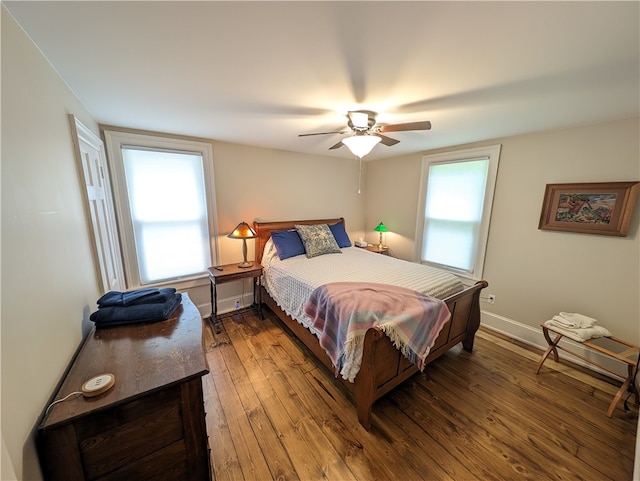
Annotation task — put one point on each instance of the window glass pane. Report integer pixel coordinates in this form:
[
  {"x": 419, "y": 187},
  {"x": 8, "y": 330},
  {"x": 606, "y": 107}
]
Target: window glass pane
[
  {"x": 453, "y": 212},
  {"x": 167, "y": 200},
  {"x": 450, "y": 243},
  {"x": 454, "y": 190},
  {"x": 168, "y": 251}
]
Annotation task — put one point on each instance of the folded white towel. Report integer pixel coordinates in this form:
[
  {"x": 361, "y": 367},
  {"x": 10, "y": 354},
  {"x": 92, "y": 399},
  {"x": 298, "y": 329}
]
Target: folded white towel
[
  {"x": 573, "y": 320},
  {"x": 578, "y": 334}
]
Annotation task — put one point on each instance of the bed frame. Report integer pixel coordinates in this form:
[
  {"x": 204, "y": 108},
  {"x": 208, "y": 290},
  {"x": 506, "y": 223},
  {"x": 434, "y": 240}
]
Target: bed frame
[{"x": 383, "y": 366}]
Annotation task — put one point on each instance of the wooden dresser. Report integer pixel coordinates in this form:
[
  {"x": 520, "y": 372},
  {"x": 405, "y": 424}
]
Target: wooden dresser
[{"x": 151, "y": 424}]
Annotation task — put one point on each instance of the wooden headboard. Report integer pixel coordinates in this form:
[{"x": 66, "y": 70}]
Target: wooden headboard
[{"x": 264, "y": 229}]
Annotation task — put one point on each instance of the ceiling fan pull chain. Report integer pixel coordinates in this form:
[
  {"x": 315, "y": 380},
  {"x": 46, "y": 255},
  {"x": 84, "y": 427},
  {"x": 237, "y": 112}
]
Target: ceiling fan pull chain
[{"x": 359, "y": 173}]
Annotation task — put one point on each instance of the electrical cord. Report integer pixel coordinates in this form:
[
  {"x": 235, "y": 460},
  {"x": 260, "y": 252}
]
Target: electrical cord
[{"x": 60, "y": 400}]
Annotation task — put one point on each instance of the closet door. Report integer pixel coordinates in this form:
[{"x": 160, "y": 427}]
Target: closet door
[{"x": 91, "y": 157}]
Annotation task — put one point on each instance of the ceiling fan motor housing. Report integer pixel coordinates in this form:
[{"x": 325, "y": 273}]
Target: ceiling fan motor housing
[{"x": 361, "y": 119}]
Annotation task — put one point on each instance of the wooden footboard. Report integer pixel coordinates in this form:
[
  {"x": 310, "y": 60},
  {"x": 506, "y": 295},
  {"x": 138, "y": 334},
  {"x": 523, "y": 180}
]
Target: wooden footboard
[{"x": 383, "y": 366}]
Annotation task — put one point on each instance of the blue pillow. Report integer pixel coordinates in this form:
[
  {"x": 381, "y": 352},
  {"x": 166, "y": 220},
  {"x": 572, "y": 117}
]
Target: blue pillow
[
  {"x": 288, "y": 243},
  {"x": 340, "y": 234}
]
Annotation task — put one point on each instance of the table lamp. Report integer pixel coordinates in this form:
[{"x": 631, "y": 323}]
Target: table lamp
[
  {"x": 244, "y": 232},
  {"x": 381, "y": 228}
]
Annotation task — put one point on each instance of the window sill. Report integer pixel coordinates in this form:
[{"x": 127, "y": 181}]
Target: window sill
[{"x": 182, "y": 284}]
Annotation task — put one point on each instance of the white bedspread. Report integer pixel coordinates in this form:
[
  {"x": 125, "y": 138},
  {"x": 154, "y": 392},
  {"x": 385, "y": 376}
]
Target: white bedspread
[{"x": 291, "y": 281}]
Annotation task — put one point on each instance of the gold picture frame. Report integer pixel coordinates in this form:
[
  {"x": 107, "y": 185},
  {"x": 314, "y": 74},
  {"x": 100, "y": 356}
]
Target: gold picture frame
[{"x": 603, "y": 208}]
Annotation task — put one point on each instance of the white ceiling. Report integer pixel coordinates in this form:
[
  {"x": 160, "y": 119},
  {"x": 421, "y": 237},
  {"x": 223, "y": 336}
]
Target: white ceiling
[{"x": 260, "y": 73}]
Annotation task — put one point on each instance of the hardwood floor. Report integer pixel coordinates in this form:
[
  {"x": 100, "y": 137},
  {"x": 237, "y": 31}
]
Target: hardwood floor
[{"x": 273, "y": 413}]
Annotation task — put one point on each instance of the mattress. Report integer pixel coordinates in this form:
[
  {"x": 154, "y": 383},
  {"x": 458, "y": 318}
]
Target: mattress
[{"x": 290, "y": 281}]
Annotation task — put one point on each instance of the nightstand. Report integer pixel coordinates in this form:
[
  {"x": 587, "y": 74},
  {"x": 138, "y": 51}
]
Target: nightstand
[
  {"x": 377, "y": 249},
  {"x": 230, "y": 273}
]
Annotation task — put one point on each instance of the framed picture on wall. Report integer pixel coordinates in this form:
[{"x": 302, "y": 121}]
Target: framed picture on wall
[{"x": 603, "y": 208}]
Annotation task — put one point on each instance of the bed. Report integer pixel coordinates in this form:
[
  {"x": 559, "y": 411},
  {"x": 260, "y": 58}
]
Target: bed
[{"x": 383, "y": 366}]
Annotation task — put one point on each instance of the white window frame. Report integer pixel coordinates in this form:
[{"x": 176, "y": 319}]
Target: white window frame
[
  {"x": 492, "y": 153},
  {"x": 114, "y": 141}
]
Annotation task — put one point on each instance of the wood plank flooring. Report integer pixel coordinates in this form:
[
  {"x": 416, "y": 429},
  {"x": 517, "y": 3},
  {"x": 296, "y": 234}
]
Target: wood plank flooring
[{"x": 273, "y": 413}]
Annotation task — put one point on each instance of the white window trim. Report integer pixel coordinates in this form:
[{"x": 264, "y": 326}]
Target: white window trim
[
  {"x": 492, "y": 152},
  {"x": 114, "y": 142}
]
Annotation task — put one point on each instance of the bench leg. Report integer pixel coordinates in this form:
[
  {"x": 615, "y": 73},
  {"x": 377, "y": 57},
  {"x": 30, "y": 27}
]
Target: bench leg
[
  {"x": 623, "y": 389},
  {"x": 551, "y": 349}
]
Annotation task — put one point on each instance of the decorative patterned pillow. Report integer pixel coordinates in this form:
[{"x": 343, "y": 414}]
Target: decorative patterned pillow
[{"x": 318, "y": 240}]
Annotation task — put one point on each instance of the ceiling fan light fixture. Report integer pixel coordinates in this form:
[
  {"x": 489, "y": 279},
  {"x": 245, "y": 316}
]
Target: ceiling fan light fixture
[{"x": 361, "y": 145}]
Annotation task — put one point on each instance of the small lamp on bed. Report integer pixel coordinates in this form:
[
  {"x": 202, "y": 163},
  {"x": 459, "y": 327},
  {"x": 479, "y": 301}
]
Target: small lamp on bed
[
  {"x": 381, "y": 228},
  {"x": 244, "y": 232}
]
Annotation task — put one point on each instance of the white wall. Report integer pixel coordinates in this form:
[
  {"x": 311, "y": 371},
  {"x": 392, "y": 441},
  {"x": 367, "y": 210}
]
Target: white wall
[
  {"x": 592, "y": 274},
  {"x": 535, "y": 274},
  {"x": 49, "y": 285},
  {"x": 49, "y": 281},
  {"x": 392, "y": 194},
  {"x": 261, "y": 184}
]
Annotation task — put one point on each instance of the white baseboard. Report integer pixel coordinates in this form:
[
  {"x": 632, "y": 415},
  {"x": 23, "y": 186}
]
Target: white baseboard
[
  {"x": 226, "y": 305},
  {"x": 204, "y": 309},
  {"x": 533, "y": 337}
]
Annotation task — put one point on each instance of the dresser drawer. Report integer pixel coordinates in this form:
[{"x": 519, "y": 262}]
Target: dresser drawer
[
  {"x": 167, "y": 464},
  {"x": 129, "y": 433}
]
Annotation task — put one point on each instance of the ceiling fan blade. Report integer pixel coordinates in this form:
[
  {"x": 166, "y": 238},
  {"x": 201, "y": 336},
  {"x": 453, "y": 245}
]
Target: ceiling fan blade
[
  {"x": 322, "y": 133},
  {"x": 424, "y": 125},
  {"x": 336, "y": 146},
  {"x": 388, "y": 141}
]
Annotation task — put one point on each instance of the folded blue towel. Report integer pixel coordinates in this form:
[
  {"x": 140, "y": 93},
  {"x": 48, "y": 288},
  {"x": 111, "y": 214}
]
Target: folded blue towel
[
  {"x": 117, "y": 315},
  {"x": 150, "y": 295}
]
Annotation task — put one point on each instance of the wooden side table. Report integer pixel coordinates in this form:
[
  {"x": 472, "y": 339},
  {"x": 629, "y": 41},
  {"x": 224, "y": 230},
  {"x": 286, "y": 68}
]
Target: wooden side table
[
  {"x": 380, "y": 250},
  {"x": 610, "y": 346},
  {"x": 230, "y": 273}
]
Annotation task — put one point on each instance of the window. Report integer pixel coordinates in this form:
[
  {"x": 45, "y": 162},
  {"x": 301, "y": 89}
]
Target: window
[
  {"x": 164, "y": 206},
  {"x": 455, "y": 209}
]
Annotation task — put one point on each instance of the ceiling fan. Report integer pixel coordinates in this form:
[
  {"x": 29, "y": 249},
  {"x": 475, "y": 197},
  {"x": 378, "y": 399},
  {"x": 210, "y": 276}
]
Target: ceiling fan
[{"x": 366, "y": 134}]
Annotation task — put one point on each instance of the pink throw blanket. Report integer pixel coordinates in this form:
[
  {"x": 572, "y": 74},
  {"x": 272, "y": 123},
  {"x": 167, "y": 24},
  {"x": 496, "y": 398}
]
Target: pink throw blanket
[{"x": 343, "y": 311}]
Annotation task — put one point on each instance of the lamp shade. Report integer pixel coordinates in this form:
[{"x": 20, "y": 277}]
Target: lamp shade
[
  {"x": 381, "y": 228},
  {"x": 361, "y": 145},
  {"x": 244, "y": 232}
]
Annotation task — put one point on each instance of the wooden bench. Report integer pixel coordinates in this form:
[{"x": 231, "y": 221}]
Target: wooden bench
[{"x": 609, "y": 346}]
